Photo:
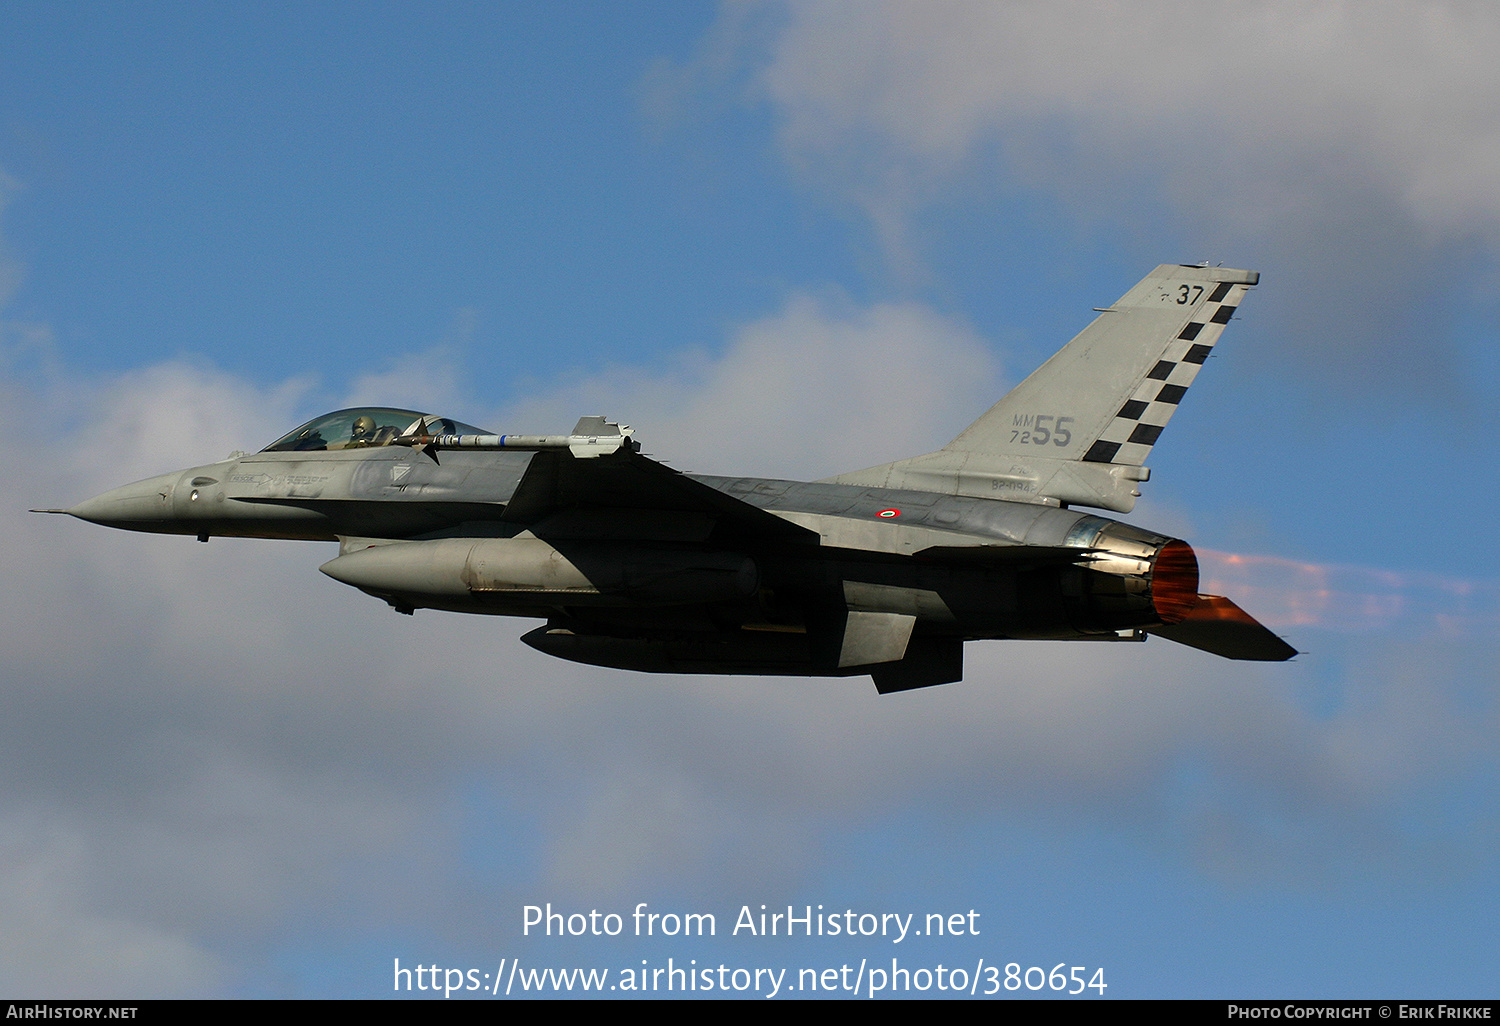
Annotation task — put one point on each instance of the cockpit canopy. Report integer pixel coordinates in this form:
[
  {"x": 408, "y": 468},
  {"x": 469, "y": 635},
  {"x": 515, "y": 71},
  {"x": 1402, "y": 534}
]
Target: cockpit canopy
[{"x": 363, "y": 427}]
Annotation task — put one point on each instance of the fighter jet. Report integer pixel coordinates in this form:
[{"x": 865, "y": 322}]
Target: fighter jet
[{"x": 886, "y": 571}]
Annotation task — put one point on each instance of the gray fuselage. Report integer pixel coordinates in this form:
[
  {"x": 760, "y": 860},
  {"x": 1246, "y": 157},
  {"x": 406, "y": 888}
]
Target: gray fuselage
[{"x": 963, "y": 567}]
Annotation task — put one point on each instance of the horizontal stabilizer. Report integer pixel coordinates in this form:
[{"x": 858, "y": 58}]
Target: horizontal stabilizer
[{"x": 1219, "y": 626}]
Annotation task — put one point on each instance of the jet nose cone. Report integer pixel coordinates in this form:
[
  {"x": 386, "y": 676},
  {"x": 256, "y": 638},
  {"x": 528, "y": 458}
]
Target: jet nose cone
[{"x": 133, "y": 507}]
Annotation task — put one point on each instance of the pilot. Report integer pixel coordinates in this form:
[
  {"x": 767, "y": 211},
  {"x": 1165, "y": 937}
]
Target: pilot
[{"x": 363, "y": 432}]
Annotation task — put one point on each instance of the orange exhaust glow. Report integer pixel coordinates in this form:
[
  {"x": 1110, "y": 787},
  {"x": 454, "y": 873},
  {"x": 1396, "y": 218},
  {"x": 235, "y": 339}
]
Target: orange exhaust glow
[{"x": 1174, "y": 582}]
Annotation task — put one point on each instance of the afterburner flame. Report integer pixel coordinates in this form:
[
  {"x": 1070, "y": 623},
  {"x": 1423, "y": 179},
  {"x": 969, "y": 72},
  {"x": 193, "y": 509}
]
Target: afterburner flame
[{"x": 1289, "y": 593}]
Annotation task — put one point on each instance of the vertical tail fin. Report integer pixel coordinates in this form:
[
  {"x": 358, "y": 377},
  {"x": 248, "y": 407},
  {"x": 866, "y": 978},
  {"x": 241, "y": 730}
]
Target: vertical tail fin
[{"x": 1080, "y": 428}]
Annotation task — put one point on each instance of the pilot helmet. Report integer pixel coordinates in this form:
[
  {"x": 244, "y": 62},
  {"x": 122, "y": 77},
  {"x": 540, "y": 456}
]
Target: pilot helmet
[{"x": 364, "y": 427}]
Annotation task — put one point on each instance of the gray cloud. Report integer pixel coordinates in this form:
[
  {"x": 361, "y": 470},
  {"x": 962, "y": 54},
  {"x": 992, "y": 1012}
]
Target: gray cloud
[
  {"x": 55, "y": 940},
  {"x": 211, "y": 751},
  {"x": 1346, "y": 148}
]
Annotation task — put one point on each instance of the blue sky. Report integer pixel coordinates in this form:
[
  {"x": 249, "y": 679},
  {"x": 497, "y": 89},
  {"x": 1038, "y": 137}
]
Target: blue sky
[{"x": 777, "y": 239}]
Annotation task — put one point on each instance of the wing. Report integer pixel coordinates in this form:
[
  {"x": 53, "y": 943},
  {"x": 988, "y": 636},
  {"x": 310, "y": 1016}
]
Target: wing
[{"x": 637, "y": 489}]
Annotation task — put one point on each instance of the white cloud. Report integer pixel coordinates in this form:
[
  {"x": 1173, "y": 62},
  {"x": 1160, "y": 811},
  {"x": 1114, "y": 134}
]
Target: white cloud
[
  {"x": 1215, "y": 99},
  {"x": 211, "y": 742},
  {"x": 1349, "y": 150},
  {"x": 822, "y": 387}
]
